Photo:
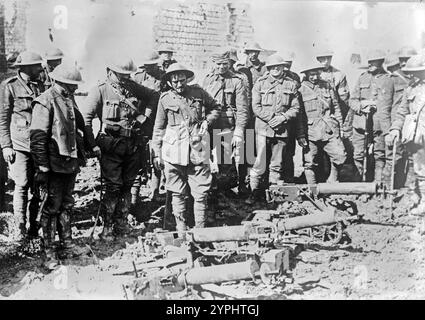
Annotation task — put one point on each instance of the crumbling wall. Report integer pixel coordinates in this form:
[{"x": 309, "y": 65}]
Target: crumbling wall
[
  {"x": 195, "y": 30},
  {"x": 14, "y": 25}
]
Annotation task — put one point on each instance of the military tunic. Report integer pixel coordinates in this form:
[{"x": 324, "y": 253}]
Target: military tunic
[
  {"x": 324, "y": 119},
  {"x": 338, "y": 81},
  {"x": 15, "y": 120},
  {"x": 186, "y": 153},
  {"x": 378, "y": 90},
  {"x": 272, "y": 98},
  {"x": 119, "y": 106}
]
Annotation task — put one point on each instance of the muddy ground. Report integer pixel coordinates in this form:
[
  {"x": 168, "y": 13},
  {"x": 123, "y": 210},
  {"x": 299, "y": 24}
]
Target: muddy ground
[{"x": 384, "y": 260}]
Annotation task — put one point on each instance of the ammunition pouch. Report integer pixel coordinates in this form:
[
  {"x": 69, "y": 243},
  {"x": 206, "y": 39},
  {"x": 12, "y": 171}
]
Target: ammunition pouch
[{"x": 112, "y": 110}]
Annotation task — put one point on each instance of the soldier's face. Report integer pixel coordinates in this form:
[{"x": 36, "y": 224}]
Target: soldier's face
[
  {"x": 277, "y": 71},
  {"x": 178, "y": 82},
  {"x": 403, "y": 61},
  {"x": 313, "y": 76},
  {"x": 222, "y": 67},
  {"x": 252, "y": 55},
  {"x": 166, "y": 56},
  {"x": 54, "y": 63},
  {"x": 71, "y": 87},
  {"x": 119, "y": 77},
  {"x": 288, "y": 66},
  {"x": 151, "y": 67},
  {"x": 374, "y": 65},
  {"x": 32, "y": 71},
  {"x": 393, "y": 68},
  {"x": 325, "y": 61}
]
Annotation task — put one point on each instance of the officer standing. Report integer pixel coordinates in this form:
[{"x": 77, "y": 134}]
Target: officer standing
[
  {"x": 275, "y": 102},
  {"x": 149, "y": 76},
  {"x": 181, "y": 143},
  {"x": 53, "y": 58},
  {"x": 18, "y": 93},
  {"x": 125, "y": 110},
  {"x": 229, "y": 92},
  {"x": 324, "y": 119},
  {"x": 57, "y": 156},
  {"x": 166, "y": 53},
  {"x": 371, "y": 101},
  {"x": 408, "y": 123}
]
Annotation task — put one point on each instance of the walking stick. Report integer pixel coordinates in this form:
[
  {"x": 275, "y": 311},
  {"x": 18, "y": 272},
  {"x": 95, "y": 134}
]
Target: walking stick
[
  {"x": 394, "y": 149},
  {"x": 100, "y": 203}
]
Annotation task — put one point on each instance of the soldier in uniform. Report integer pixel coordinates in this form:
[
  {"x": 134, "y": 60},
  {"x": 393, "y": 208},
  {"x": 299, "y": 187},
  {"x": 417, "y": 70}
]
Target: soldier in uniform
[
  {"x": 18, "y": 93},
  {"x": 324, "y": 119},
  {"x": 275, "y": 102},
  {"x": 57, "y": 156},
  {"x": 253, "y": 68},
  {"x": 53, "y": 58},
  {"x": 404, "y": 54},
  {"x": 3, "y": 181},
  {"x": 181, "y": 143},
  {"x": 149, "y": 76},
  {"x": 401, "y": 82},
  {"x": 371, "y": 101},
  {"x": 229, "y": 92},
  {"x": 408, "y": 123},
  {"x": 166, "y": 57},
  {"x": 125, "y": 111}
]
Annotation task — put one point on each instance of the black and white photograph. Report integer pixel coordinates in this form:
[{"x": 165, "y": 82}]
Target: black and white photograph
[{"x": 219, "y": 150}]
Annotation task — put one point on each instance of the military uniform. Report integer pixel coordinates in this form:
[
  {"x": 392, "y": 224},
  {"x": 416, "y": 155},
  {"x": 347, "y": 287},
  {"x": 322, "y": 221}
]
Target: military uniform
[
  {"x": 324, "y": 119},
  {"x": 253, "y": 71},
  {"x": 185, "y": 153},
  {"x": 55, "y": 149},
  {"x": 229, "y": 92},
  {"x": 3, "y": 181},
  {"x": 272, "y": 98},
  {"x": 338, "y": 82},
  {"x": 119, "y": 107},
  {"x": 377, "y": 90},
  {"x": 15, "y": 121},
  {"x": 412, "y": 104},
  {"x": 151, "y": 81}
]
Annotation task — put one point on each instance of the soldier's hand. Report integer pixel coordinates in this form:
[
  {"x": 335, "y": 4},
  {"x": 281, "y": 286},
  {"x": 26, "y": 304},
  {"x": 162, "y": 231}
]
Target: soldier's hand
[
  {"x": 302, "y": 142},
  {"x": 237, "y": 141},
  {"x": 141, "y": 119},
  {"x": 276, "y": 121},
  {"x": 97, "y": 152},
  {"x": 158, "y": 164},
  {"x": 393, "y": 135},
  {"x": 204, "y": 128},
  {"x": 9, "y": 154}
]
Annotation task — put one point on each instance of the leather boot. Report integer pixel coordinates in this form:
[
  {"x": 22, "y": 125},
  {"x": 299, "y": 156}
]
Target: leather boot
[
  {"x": 179, "y": 212},
  {"x": 310, "y": 176},
  {"x": 33, "y": 212},
  {"x": 243, "y": 191},
  {"x": 121, "y": 226},
  {"x": 110, "y": 201},
  {"x": 48, "y": 226}
]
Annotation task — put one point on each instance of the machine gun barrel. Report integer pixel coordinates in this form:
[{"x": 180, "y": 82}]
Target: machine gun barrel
[
  {"x": 347, "y": 188},
  {"x": 254, "y": 230}
]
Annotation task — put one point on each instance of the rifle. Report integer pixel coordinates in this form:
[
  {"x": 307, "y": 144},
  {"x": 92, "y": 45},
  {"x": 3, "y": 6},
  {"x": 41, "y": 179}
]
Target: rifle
[{"x": 367, "y": 143}]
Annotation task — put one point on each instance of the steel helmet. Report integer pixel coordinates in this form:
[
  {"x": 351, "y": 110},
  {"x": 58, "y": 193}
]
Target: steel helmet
[
  {"x": 288, "y": 56},
  {"x": 151, "y": 58},
  {"x": 177, "y": 67},
  {"x": 28, "y": 58},
  {"x": 415, "y": 63},
  {"x": 324, "y": 53},
  {"x": 165, "y": 48},
  {"x": 122, "y": 65},
  {"x": 407, "y": 52},
  {"x": 233, "y": 54},
  {"x": 376, "y": 55},
  {"x": 54, "y": 54},
  {"x": 275, "y": 60},
  {"x": 67, "y": 74},
  {"x": 391, "y": 60},
  {"x": 253, "y": 46},
  {"x": 313, "y": 66}
]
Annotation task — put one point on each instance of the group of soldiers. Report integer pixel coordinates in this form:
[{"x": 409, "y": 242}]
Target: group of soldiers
[{"x": 151, "y": 114}]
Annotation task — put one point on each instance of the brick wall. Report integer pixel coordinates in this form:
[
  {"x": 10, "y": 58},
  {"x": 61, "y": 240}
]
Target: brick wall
[
  {"x": 15, "y": 25},
  {"x": 196, "y": 30}
]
